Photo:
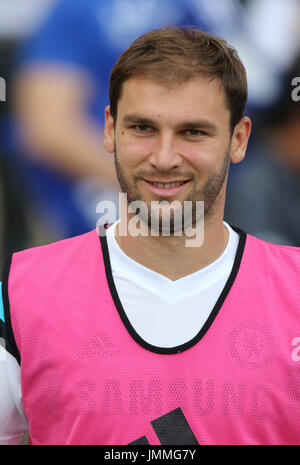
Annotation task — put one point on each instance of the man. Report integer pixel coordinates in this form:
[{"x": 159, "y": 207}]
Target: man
[{"x": 140, "y": 339}]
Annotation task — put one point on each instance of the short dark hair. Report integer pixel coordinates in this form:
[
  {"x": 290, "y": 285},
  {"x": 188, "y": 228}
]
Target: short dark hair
[{"x": 175, "y": 55}]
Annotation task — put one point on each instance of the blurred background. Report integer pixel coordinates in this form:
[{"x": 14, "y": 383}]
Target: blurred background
[{"x": 56, "y": 57}]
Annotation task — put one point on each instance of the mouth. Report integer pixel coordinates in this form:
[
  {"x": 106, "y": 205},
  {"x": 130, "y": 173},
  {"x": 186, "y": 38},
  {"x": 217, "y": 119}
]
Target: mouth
[{"x": 166, "y": 189}]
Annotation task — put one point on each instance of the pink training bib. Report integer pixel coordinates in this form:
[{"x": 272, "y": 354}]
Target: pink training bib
[{"x": 89, "y": 378}]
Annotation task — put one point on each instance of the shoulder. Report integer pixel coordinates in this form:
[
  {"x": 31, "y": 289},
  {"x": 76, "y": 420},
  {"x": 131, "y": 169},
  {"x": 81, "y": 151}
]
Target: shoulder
[
  {"x": 283, "y": 257},
  {"x": 285, "y": 250},
  {"x": 52, "y": 257},
  {"x": 31, "y": 275}
]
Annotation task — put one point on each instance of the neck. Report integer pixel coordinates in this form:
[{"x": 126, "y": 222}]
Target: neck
[{"x": 169, "y": 255}]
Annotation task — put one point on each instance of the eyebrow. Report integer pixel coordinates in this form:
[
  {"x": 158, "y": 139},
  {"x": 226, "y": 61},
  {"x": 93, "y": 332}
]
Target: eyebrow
[
  {"x": 199, "y": 124},
  {"x": 135, "y": 119}
]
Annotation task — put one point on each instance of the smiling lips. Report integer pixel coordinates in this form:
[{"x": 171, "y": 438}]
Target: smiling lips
[{"x": 166, "y": 189}]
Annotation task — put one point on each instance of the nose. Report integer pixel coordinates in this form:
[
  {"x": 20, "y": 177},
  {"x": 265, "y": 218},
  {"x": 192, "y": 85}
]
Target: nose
[{"x": 164, "y": 156}]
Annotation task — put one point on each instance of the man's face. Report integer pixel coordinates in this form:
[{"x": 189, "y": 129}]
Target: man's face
[{"x": 171, "y": 143}]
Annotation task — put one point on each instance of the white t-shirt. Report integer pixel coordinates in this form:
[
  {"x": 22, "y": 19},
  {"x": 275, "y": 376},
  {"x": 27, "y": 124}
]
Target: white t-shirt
[{"x": 163, "y": 312}]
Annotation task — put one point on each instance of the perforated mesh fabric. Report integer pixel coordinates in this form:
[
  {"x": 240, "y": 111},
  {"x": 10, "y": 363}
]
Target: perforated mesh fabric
[{"x": 85, "y": 380}]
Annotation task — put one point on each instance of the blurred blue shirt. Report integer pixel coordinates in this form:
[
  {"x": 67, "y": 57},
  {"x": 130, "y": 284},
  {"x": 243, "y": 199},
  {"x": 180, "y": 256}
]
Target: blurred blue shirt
[
  {"x": 88, "y": 35},
  {"x": 91, "y": 35}
]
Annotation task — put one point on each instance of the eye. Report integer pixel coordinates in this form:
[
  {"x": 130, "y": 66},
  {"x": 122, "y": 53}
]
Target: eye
[
  {"x": 142, "y": 128},
  {"x": 194, "y": 132}
]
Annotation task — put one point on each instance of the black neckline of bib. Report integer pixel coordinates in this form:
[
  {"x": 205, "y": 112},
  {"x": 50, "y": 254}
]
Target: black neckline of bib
[{"x": 187, "y": 345}]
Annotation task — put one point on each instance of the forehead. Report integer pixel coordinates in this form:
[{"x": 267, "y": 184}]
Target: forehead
[{"x": 200, "y": 97}]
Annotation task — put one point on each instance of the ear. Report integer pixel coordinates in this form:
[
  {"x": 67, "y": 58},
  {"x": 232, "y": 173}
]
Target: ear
[
  {"x": 109, "y": 131},
  {"x": 239, "y": 140}
]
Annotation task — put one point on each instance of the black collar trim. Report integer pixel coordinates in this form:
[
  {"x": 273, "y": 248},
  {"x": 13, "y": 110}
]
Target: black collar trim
[
  {"x": 207, "y": 324},
  {"x": 6, "y": 329}
]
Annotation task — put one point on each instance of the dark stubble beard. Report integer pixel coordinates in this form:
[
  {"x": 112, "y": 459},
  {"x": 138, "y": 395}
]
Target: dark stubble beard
[{"x": 208, "y": 194}]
